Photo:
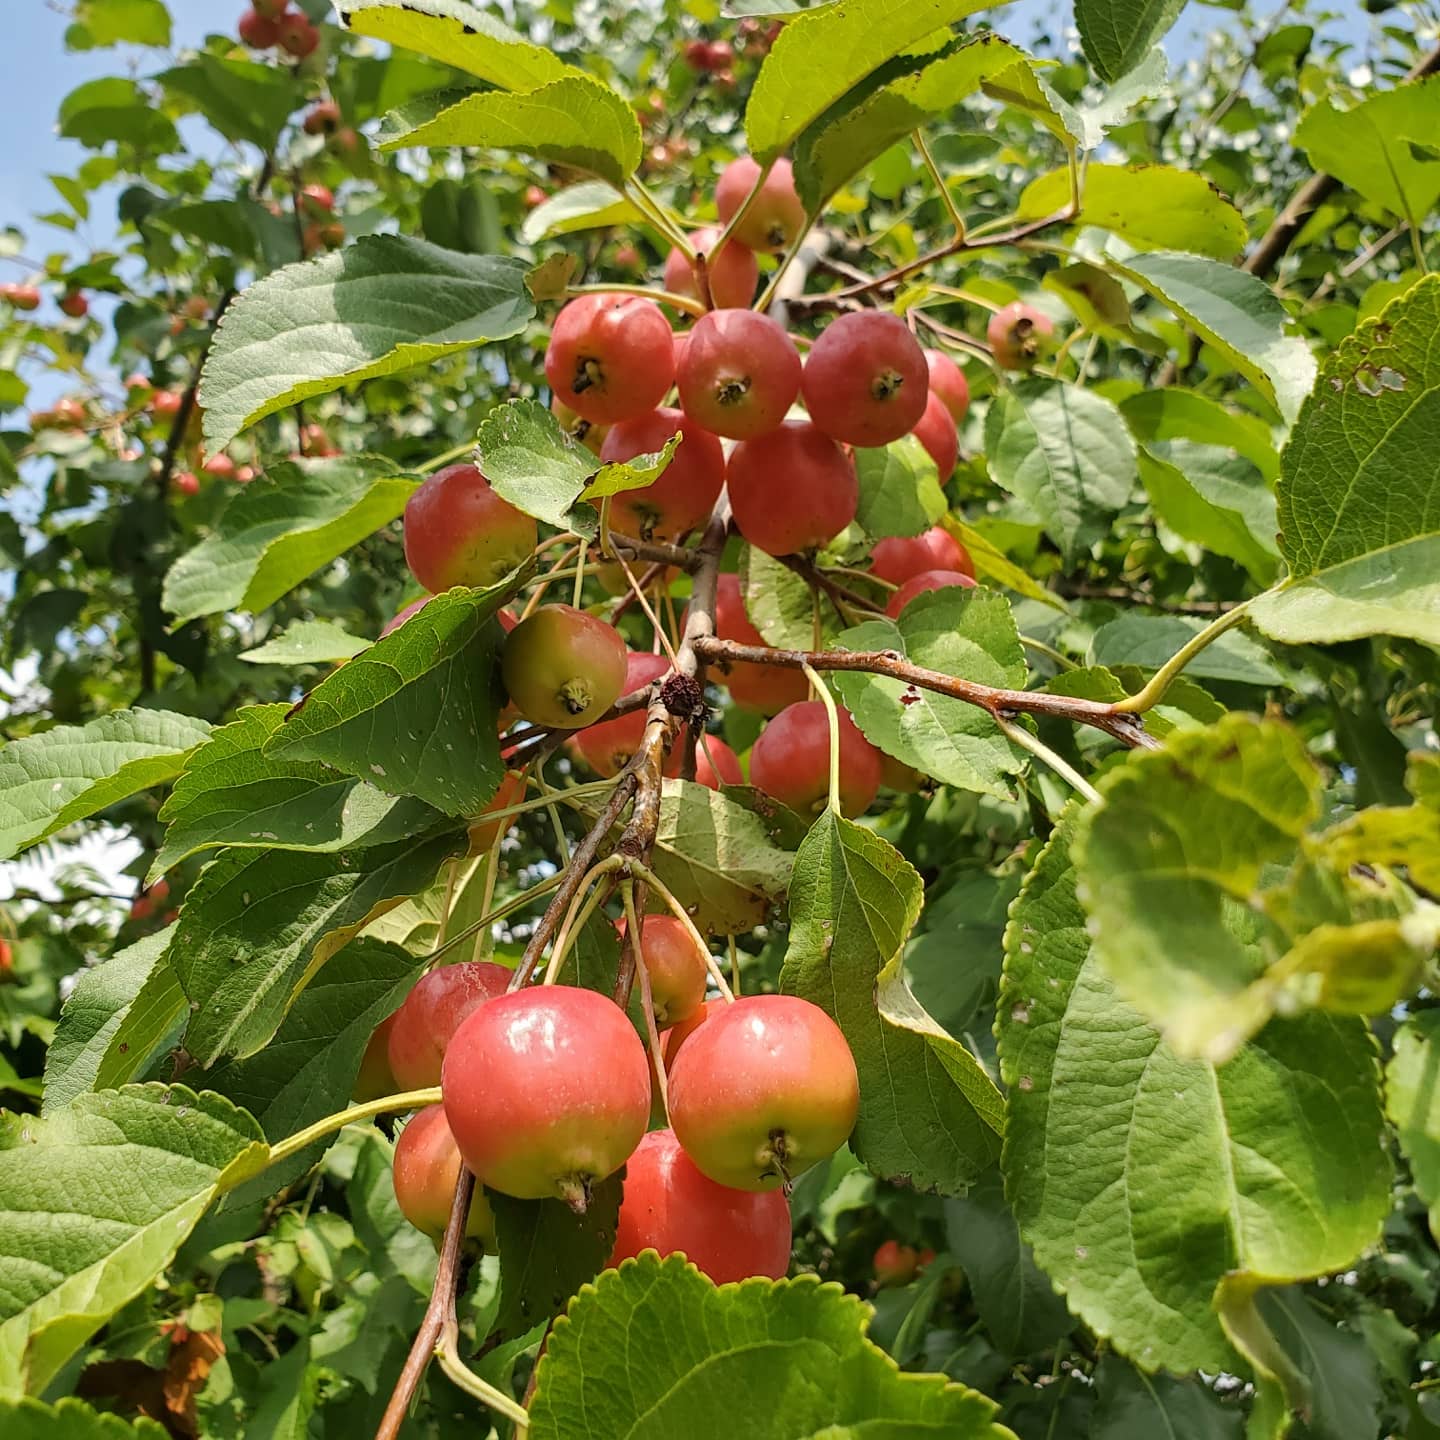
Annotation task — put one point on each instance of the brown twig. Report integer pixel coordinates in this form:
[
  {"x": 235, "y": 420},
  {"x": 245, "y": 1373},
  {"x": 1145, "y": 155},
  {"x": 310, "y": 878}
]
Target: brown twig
[{"x": 1001, "y": 704}]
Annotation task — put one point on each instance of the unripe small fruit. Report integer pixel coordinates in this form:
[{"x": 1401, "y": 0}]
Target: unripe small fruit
[
  {"x": 766, "y": 688},
  {"x": 670, "y": 1207},
  {"x": 547, "y": 1091},
  {"x": 1019, "y": 335},
  {"x": 75, "y": 305},
  {"x": 762, "y": 1091},
  {"x": 563, "y": 668},
  {"x": 775, "y": 217},
  {"x": 947, "y": 380},
  {"x": 686, "y": 491},
  {"x": 296, "y": 35},
  {"x": 606, "y": 747},
  {"x": 924, "y": 581},
  {"x": 675, "y": 966},
  {"x": 898, "y": 557},
  {"x": 375, "y": 1079},
  {"x": 610, "y": 357},
  {"x": 715, "y": 762},
  {"x": 732, "y": 277},
  {"x": 627, "y": 257},
  {"x": 936, "y": 432},
  {"x": 458, "y": 531},
  {"x": 322, "y": 118},
  {"x": 791, "y": 761},
  {"x": 896, "y": 1264},
  {"x": 866, "y": 380},
  {"x": 426, "y": 1171},
  {"x": 741, "y": 373},
  {"x": 792, "y": 489},
  {"x": 258, "y": 31},
  {"x": 437, "y": 1004}
]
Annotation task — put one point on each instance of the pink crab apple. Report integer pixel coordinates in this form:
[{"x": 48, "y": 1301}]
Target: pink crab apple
[
  {"x": 259, "y": 32},
  {"x": 687, "y": 489},
  {"x": 563, "y": 668},
  {"x": 936, "y": 432},
  {"x": 898, "y": 557},
  {"x": 20, "y": 297},
  {"x": 739, "y": 375},
  {"x": 606, "y": 747},
  {"x": 547, "y": 1091},
  {"x": 296, "y": 35},
  {"x": 437, "y": 1004},
  {"x": 865, "y": 379},
  {"x": 947, "y": 380},
  {"x": 675, "y": 965},
  {"x": 426, "y": 1170},
  {"x": 766, "y": 688},
  {"x": 458, "y": 531},
  {"x": 1018, "y": 335},
  {"x": 669, "y": 1207},
  {"x": 791, "y": 761},
  {"x": 715, "y": 763},
  {"x": 763, "y": 1090},
  {"x": 919, "y": 584},
  {"x": 732, "y": 276},
  {"x": 896, "y": 1264},
  {"x": 322, "y": 118},
  {"x": 775, "y": 216},
  {"x": 792, "y": 489},
  {"x": 610, "y": 357}
]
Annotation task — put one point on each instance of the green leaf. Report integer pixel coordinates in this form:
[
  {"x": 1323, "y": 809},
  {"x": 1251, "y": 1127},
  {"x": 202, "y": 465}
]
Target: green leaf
[
  {"x": 258, "y": 924},
  {"x": 1150, "y": 640},
  {"x": 791, "y": 90},
  {"x": 382, "y": 305},
  {"x": 778, "y": 1360},
  {"x": 531, "y": 462},
  {"x": 590, "y": 205},
  {"x": 1066, "y": 453},
  {"x": 98, "y": 24},
  {"x": 1359, "y": 522},
  {"x": 154, "y": 1019},
  {"x": 416, "y": 713},
  {"x": 1136, "y": 1406},
  {"x": 1368, "y": 147},
  {"x": 50, "y": 780},
  {"x": 1152, "y": 206},
  {"x": 457, "y": 33},
  {"x": 71, "y": 1420},
  {"x": 1412, "y": 1100},
  {"x": 292, "y": 521},
  {"x": 1023, "y": 87},
  {"x": 1017, "y": 1304},
  {"x": 969, "y": 633},
  {"x": 573, "y": 120},
  {"x": 1139, "y": 1197},
  {"x": 1215, "y": 499},
  {"x": 925, "y": 1116},
  {"x": 1118, "y": 34},
  {"x": 617, "y": 477},
  {"x": 115, "y": 109},
  {"x": 242, "y": 99},
  {"x": 231, "y": 793},
  {"x": 93, "y": 1013},
  {"x": 780, "y": 605},
  {"x": 992, "y": 564},
  {"x": 306, "y": 642},
  {"x": 900, "y": 490},
  {"x": 97, "y": 1199},
  {"x": 1175, "y": 414},
  {"x": 1236, "y": 313},
  {"x": 547, "y": 1252},
  {"x": 899, "y": 97}
]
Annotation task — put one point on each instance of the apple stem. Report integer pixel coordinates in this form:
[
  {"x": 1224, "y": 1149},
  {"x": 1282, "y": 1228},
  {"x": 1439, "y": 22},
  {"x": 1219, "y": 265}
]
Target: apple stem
[
  {"x": 574, "y": 1190},
  {"x": 833, "y": 716},
  {"x": 642, "y": 872}
]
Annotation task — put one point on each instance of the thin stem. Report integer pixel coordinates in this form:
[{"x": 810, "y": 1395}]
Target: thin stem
[
  {"x": 405, "y": 1100},
  {"x": 1019, "y": 735},
  {"x": 562, "y": 840},
  {"x": 663, "y": 297},
  {"x": 734, "y": 963},
  {"x": 634, "y": 937},
  {"x": 654, "y": 211},
  {"x": 509, "y": 907},
  {"x": 819, "y": 687},
  {"x": 577, "y": 916},
  {"x": 578, "y": 592},
  {"x": 472, "y": 1384},
  {"x": 485, "y": 938},
  {"x": 641, "y": 871},
  {"x": 638, "y": 591},
  {"x": 1155, "y": 688},
  {"x": 956, "y": 218},
  {"x": 1049, "y": 651},
  {"x": 786, "y": 260},
  {"x": 448, "y": 903},
  {"x": 436, "y": 461}
]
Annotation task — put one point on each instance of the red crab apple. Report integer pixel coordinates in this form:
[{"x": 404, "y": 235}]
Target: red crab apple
[
  {"x": 919, "y": 584},
  {"x": 762, "y": 1091},
  {"x": 322, "y": 118},
  {"x": 898, "y": 557},
  {"x": 865, "y": 379},
  {"x": 610, "y": 357},
  {"x": 258, "y": 31},
  {"x": 296, "y": 35},
  {"x": 792, "y": 489},
  {"x": 606, "y": 747},
  {"x": 438, "y": 1002},
  {"x": 896, "y": 1264},
  {"x": 669, "y": 1206},
  {"x": 766, "y": 688},
  {"x": 675, "y": 965},
  {"x": 775, "y": 216},
  {"x": 947, "y": 380},
  {"x": 426, "y": 1170},
  {"x": 687, "y": 489},
  {"x": 165, "y": 403},
  {"x": 715, "y": 763},
  {"x": 791, "y": 761},
  {"x": 75, "y": 305},
  {"x": 1018, "y": 335},
  {"x": 317, "y": 201},
  {"x": 21, "y": 297},
  {"x": 547, "y": 1091},
  {"x": 187, "y": 482},
  {"x": 732, "y": 275},
  {"x": 458, "y": 531},
  {"x": 936, "y": 432},
  {"x": 563, "y": 668},
  {"x": 739, "y": 375}
]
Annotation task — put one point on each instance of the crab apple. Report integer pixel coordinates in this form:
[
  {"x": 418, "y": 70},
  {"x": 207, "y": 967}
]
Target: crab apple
[
  {"x": 318, "y": 237},
  {"x": 317, "y": 201},
  {"x": 322, "y": 118},
  {"x": 577, "y": 427},
  {"x": 792, "y": 489},
  {"x": 732, "y": 276},
  {"x": 610, "y": 357},
  {"x": 627, "y": 257},
  {"x": 1018, "y": 335},
  {"x": 534, "y": 196},
  {"x": 697, "y": 55},
  {"x": 791, "y": 761},
  {"x": 426, "y": 1171},
  {"x": 669, "y": 1206},
  {"x": 719, "y": 56},
  {"x": 431, "y": 1013},
  {"x": 679, "y": 1033},
  {"x": 484, "y": 833},
  {"x": 21, "y": 297},
  {"x": 165, "y": 403},
  {"x": 258, "y": 31},
  {"x": 936, "y": 432},
  {"x": 547, "y": 1090},
  {"x": 137, "y": 386},
  {"x": 296, "y": 35},
  {"x": 741, "y": 373},
  {"x": 766, "y": 688},
  {"x": 775, "y": 216},
  {"x": 675, "y": 966},
  {"x": 315, "y": 443},
  {"x": 75, "y": 305},
  {"x": 688, "y": 488},
  {"x": 897, "y": 775},
  {"x": 221, "y": 466},
  {"x": 919, "y": 584},
  {"x": 563, "y": 668},
  {"x": 898, "y": 557},
  {"x": 865, "y": 379},
  {"x": 374, "y": 1078},
  {"x": 606, "y": 747},
  {"x": 348, "y": 143},
  {"x": 896, "y": 1264},
  {"x": 715, "y": 763},
  {"x": 187, "y": 482},
  {"x": 947, "y": 380},
  {"x": 762, "y": 1091},
  {"x": 458, "y": 531}
]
